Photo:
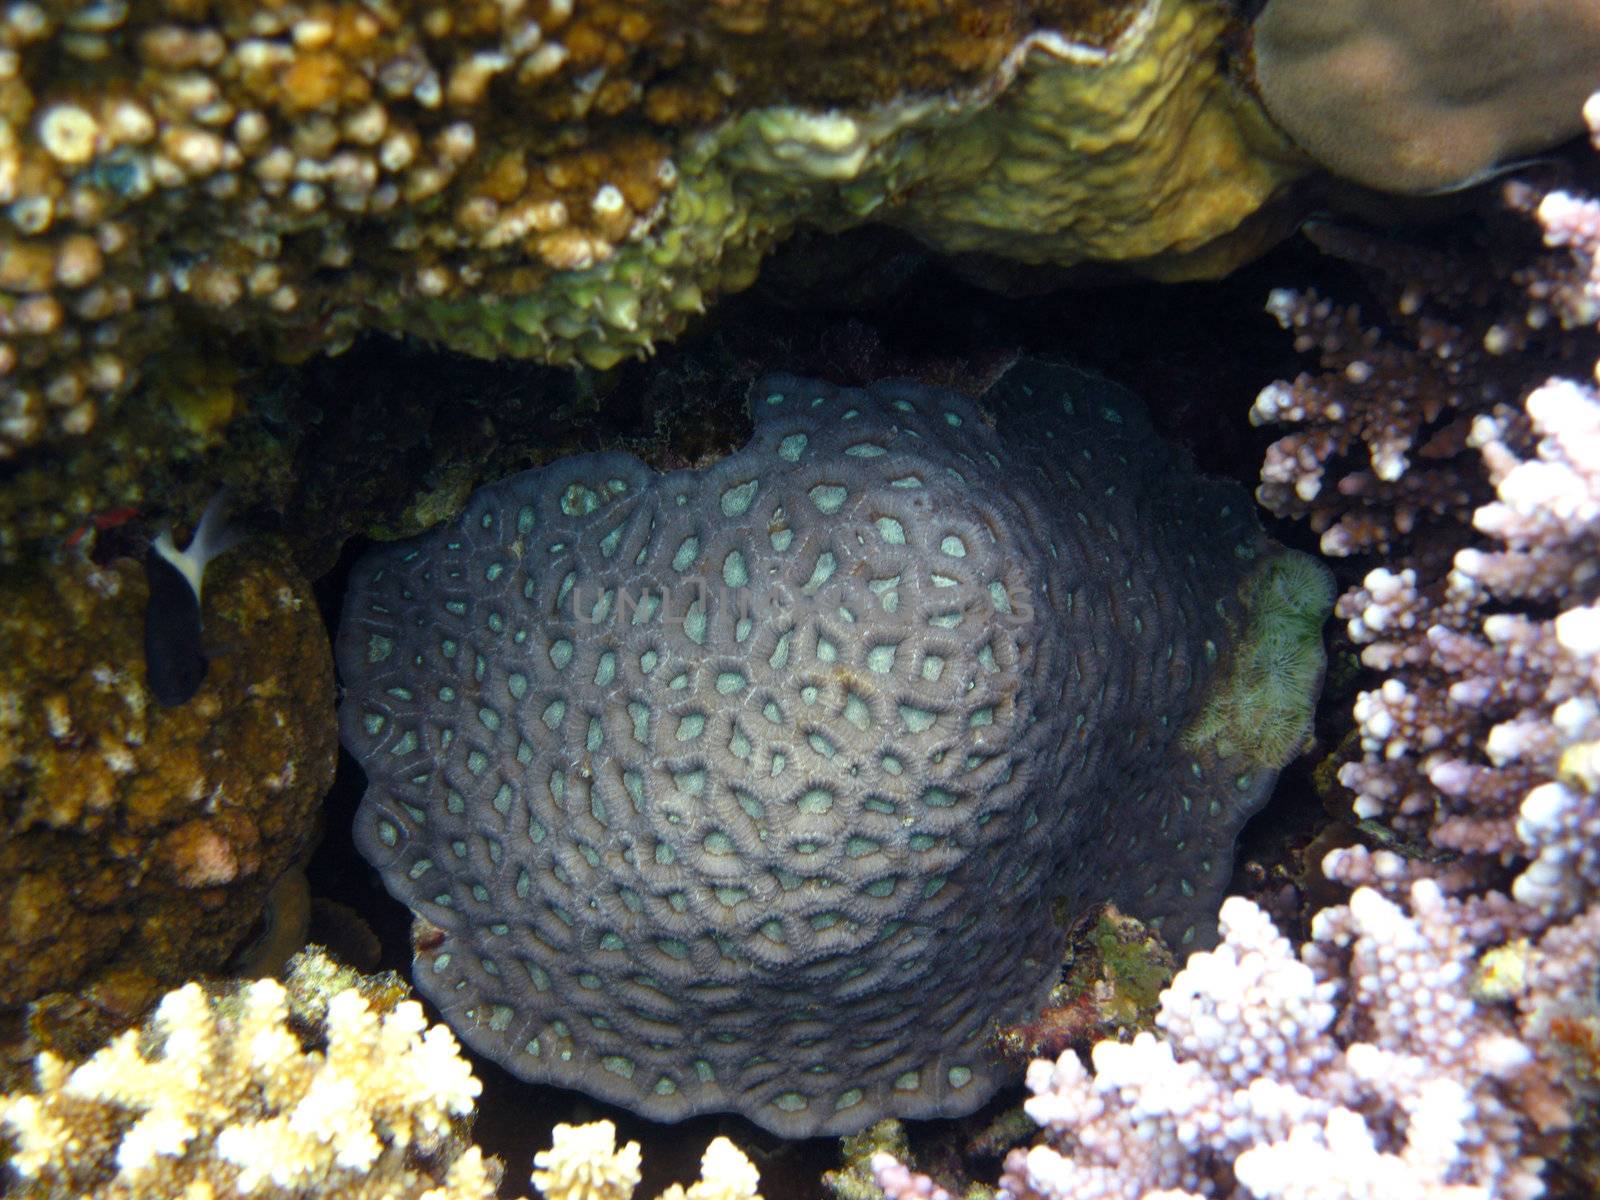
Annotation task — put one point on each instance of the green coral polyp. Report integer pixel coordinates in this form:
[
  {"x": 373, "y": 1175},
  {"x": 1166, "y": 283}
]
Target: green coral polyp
[{"x": 1258, "y": 712}]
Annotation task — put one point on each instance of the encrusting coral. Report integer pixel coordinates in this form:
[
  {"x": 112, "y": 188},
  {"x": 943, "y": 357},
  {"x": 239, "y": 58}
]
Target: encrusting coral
[
  {"x": 138, "y": 842},
  {"x": 756, "y": 787},
  {"x": 1437, "y": 1036},
  {"x": 565, "y": 179}
]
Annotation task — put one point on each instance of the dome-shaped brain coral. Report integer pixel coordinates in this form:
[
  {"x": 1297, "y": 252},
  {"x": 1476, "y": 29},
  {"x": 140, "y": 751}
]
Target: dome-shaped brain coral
[{"x": 754, "y": 788}]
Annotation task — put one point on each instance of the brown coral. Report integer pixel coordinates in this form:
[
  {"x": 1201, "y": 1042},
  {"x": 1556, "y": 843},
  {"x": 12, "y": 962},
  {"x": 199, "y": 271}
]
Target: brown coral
[
  {"x": 1379, "y": 456},
  {"x": 279, "y": 167},
  {"x": 137, "y": 842}
]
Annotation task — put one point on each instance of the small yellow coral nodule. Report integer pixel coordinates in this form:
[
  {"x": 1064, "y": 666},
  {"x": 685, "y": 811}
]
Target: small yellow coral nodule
[
  {"x": 726, "y": 1174},
  {"x": 584, "y": 1163}
]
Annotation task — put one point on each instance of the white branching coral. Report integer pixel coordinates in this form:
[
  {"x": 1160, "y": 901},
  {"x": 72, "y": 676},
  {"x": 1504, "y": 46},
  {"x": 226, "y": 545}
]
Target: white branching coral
[
  {"x": 1485, "y": 735},
  {"x": 1442, "y": 1024},
  {"x": 1362, "y": 1069},
  {"x": 268, "y": 1093},
  {"x": 220, "y": 1096},
  {"x": 584, "y": 1162}
]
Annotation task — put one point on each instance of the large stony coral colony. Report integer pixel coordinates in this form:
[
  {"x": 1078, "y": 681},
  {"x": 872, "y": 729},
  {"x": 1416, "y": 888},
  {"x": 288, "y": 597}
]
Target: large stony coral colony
[{"x": 568, "y": 181}]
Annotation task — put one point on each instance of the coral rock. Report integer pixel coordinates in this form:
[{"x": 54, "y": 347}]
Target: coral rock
[
  {"x": 1423, "y": 95},
  {"x": 139, "y": 842},
  {"x": 565, "y": 180}
]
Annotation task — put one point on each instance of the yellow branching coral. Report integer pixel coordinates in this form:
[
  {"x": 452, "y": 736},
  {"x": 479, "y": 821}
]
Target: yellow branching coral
[
  {"x": 725, "y": 1174},
  {"x": 219, "y": 1097},
  {"x": 585, "y": 1163}
]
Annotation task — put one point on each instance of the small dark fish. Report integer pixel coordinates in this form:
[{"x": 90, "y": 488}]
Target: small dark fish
[{"x": 175, "y": 661}]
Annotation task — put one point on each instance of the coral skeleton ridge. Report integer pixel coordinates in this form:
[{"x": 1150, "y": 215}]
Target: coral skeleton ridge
[{"x": 753, "y": 787}]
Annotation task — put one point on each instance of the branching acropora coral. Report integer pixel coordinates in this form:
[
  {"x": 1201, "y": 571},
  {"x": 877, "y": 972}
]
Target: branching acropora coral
[
  {"x": 219, "y": 1097},
  {"x": 327, "y": 1088}
]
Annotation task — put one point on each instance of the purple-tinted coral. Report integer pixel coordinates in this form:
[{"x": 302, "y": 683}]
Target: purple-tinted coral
[
  {"x": 753, "y": 788},
  {"x": 1361, "y": 1068}
]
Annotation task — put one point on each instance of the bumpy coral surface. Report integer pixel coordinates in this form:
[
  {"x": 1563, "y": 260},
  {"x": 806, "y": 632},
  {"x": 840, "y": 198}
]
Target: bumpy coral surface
[
  {"x": 565, "y": 179},
  {"x": 138, "y": 842},
  {"x": 220, "y": 1097},
  {"x": 751, "y": 788},
  {"x": 1366, "y": 1070},
  {"x": 1421, "y": 95}
]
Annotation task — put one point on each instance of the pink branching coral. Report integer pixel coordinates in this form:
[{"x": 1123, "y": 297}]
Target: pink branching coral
[
  {"x": 1440, "y": 1030},
  {"x": 1365, "y": 1069},
  {"x": 1484, "y": 735},
  {"x": 1376, "y": 461}
]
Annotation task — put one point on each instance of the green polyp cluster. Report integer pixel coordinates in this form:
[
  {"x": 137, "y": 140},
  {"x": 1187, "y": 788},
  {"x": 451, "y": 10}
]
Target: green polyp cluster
[{"x": 1258, "y": 710}]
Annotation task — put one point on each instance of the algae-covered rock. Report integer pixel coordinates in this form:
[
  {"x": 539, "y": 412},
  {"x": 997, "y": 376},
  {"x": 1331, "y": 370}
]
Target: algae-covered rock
[{"x": 137, "y": 842}]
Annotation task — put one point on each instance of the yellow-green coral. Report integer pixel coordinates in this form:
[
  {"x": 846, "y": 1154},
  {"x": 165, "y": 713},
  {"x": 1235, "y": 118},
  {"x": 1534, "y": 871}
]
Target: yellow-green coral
[
  {"x": 1140, "y": 152},
  {"x": 1135, "y": 150},
  {"x": 853, "y": 1179},
  {"x": 569, "y": 179},
  {"x": 1260, "y": 711}
]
